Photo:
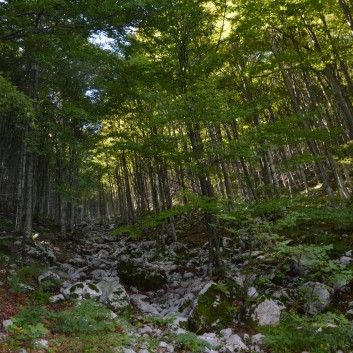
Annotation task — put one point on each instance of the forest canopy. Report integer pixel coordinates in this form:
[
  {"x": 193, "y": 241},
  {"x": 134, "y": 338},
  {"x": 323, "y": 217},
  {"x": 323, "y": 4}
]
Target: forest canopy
[{"x": 215, "y": 106}]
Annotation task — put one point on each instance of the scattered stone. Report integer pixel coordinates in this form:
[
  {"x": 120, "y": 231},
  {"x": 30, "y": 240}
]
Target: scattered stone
[
  {"x": 345, "y": 260},
  {"x": 226, "y": 333},
  {"x": 41, "y": 343},
  {"x": 166, "y": 346},
  {"x": 234, "y": 344},
  {"x": 267, "y": 313},
  {"x": 211, "y": 338},
  {"x": 48, "y": 275},
  {"x": 7, "y": 323},
  {"x": 257, "y": 339},
  {"x": 122, "y": 350},
  {"x": 59, "y": 298},
  {"x": 252, "y": 292},
  {"x": 42, "y": 251}
]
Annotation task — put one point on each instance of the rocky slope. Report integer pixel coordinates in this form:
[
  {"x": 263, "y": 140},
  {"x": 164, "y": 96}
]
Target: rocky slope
[{"x": 168, "y": 295}]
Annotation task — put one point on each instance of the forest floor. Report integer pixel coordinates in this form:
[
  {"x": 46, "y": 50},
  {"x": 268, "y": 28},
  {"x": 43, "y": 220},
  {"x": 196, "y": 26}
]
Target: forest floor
[{"x": 68, "y": 329}]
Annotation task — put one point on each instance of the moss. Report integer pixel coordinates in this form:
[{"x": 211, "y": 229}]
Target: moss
[
  {"x": 147, "y": 278},
  {"x": 76, "y": 286},
  {"x": 213, "y": 310},
  {"x": 93, "y": 287}
]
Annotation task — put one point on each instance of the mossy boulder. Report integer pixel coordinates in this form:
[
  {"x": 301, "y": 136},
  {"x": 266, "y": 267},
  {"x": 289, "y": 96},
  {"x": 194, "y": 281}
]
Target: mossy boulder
[
  {"x": 114, "y": 296},
  {"x": 82, "y": 290},
  {"x": 212, "y": 309},
  {"x": 140, "y": 274}
]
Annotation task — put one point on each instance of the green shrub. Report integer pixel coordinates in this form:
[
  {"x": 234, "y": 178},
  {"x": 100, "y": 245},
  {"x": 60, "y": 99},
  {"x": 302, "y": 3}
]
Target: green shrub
[
  {"x": 86, "y": 317},
  {"x": 190, "y": 341},
  {"x": 320, "y": 334}
]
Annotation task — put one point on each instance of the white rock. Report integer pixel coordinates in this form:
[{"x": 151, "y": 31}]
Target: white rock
[
  {"x": 145, "y": 329},
  {"x": 345, "y": 260},
  {"x": 113, "y": 294},
  {"x": 252, "y": 292},
  {"x": 166, "y": 346},
  {"x": 143, "y": 306},
  {"x": 318, "y": 296},
  {"x": 226, "y": 333},
  {"x": 267, "y": 313},
  {"x": 188, "y": 275},
  {"x": 236, "y": 342},
  {"x": 82, "y": 290},
  {"x": 40, "y": 343},
  {"x": 56, "y": 298},
  {"x": 122, "y": 350},
  {"x": 7, "y": 323},
  {"x": 211, "y": 338},
  {"x": 47, "y": 276},
  {"x": 257, "y": 339}
]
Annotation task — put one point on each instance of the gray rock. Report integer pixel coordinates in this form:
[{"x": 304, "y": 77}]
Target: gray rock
[
  {"x": 226, "y": 333},
  {"x": 57, "y": 298},
  {"x": 318, "y": 296},
  {"x": 145, "y": 307},
  {"x": 48, "y": 275},
  {"x": 267, "y": 313},
  {"x": 114, "y": 295},
  {"x": 98, "y": 275},
  {"x": 257, "y": 339},
  {"x": 345, "y": 260},
  {"x": 41, "y": 343},
  {"x": 234, "y": 344},
  {"x": 211, "y": 338},
  {"x": 41, "y": 250},
  {"x": 7, "y": 323},
  {"x": 82, "y": 290},
  {"x": 122, "y": 350},
  {"x": 252, "y": 292},
  {"x": 166, "y": 346}
]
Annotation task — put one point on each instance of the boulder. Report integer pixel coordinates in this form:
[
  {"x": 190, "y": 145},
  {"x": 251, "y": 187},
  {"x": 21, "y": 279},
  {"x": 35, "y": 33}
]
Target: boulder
[
  {"x": 7, "y": 323},
  {"x": 57, "y": 298},
  {"x": 146, "y": 308},
  {"x": 267, "y": 313},
  {"x": 211, "y": 309},
  {"x": 234, "y": 343},
  {"x": 114, "y": 295},
  {"x": 82, "y": 290},
  {"x": 140, "y": 274},
  {"x": 317, "y": 295}
]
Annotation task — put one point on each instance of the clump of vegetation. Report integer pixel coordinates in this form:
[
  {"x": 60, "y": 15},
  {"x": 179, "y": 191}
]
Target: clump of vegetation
[
  {"x": 326, "y": 333},
  {"x": 191, "y": 342}
]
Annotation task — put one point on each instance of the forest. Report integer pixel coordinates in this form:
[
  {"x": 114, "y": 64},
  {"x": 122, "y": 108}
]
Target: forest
[{"x": 226, "y": 126}]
